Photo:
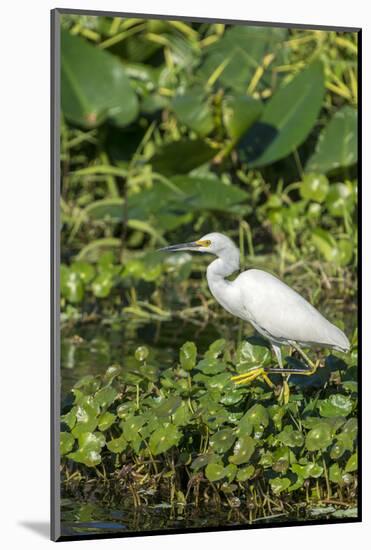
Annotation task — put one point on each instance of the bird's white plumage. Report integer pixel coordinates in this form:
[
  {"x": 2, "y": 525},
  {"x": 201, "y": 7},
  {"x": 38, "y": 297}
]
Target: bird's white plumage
[{"x": 276, "y": 311}]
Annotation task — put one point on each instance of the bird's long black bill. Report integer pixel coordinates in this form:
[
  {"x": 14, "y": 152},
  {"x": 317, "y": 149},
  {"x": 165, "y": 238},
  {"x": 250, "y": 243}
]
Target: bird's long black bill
[{"x": 177, "y": 247}]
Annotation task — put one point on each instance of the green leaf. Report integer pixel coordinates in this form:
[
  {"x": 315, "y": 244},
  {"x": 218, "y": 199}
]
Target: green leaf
[
  {"x": 279, "y": 484},
  {"x": 337, "y": 143},
  {"x": 214, "y": 472},
  {"x": 168, "y": 406},
  {"x": 192, "y": 109},
  {"x": 245, "y": 473},
  {"x": 72, "y": 287},
  {"x": 163, "y": 439},
  {"x": 117, "y": 445},
  {"x": 335, "y": 405},
  {"x": 257, "y": 417},
  {"x": 66, "y": 442},
  {"x": 352, "y": 463},
  {"x": 180, "y": 157},
  {"x": 319, "y": 438},
  {"x": 243, "y": 450},
  {"x": 287, "y": 119},
  {"x": 105, "y": 421},
  {"x": 314, "y": 187},
  {"x": 105, "y": 396},
  {"x": 84, "y": 270},
  {"x": 222, "y": 440},
  {"x": 94, "y": 84},
  {"x": 102, "y": 285},
  {"x": 340, "y": 199},
  {"x": 251, "y": 355},
  {"x": 188, "y": 355},
  {"x": 335, "y": 473},
  {"x": 203, "y": 460},
  {"x": 291, "y": 437},
  {"x": 239, "y": 113},
  {"x": 131, "y": 427},
  {"x": 240, "y": 52},
  {"x": 90, "y": 445},
  {"x": 325, "y": 244}
]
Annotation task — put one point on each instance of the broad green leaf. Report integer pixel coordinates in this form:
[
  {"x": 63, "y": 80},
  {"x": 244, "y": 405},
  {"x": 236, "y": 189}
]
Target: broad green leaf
[
  {"x": 314, "y": 187},
  {"x": 214, "y": 472},
  {"x": 337, "y": 143},
  {"x": 319, "y": 438},
  {"x": 131, "y": 427},
  {"x": 243, "y": 450},
  {"x": 256, "y": 417},
  {"x": 102, "y": 285},
  {"x": 325, "y": 244},
  {"x": 335, "y": 405},
  {"x": 94, "y": 84},
  {"x": 279, "y": 484},
  {"x": 240, "y": 52},
  {"x": 168, "y": 406},
  {"x": 245, "y": 473},
  {"x": 239, "y": 113},
  {"x": 105, "y": 421},
  {"x": 215, "y": 349},
  {"x": 111, "y": 209},
  {"x": 352, "y": 463},
  {"x": 180, "y": 157},
  {"x": 203, "y": 460},
  {"x": 222, "y": 440},
  {"x": 192, "y": 109},
  {"x": 85, "y": 271},
  {"x": 163, "y": 439},
  {"x": 105, "y": 396},
  {"x": 340, "y": 199},
  {"x": 287, "y": 119},
  {"x": 188, "y": 355},
  {"x": 66, "y": 442},
  {"x": 72, "y": 286},
  {"x": 291, "y": 437},
  {"x": 117, "y": 445}
]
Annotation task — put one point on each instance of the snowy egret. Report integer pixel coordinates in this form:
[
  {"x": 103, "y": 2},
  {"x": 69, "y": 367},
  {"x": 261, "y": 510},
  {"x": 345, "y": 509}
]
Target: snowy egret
[{"x": 274, "y": 309}]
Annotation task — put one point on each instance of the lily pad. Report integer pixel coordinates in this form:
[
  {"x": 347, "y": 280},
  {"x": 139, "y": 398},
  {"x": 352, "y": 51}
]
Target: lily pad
[
  {"x": 67, "y": 442},
  {"x": 319, "y": 437},
  {"x": 243, "y": 450},
  {"x": 222, "y": 440},
  {"x": 188, "y": 355},
  {"x": 163, "y": 439},
  {"x": 215, "y": 472}
]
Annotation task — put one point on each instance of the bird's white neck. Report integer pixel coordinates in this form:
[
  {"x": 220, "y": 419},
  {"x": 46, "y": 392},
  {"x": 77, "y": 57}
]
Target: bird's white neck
[{"x": 216, "y": 272}]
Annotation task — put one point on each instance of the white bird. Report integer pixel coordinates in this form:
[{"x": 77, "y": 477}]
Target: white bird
[{"x": 274, "y": 309}]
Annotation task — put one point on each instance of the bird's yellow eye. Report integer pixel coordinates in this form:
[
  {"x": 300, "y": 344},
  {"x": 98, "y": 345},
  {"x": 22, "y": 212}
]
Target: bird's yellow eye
[{"x": 205, "y": 243}]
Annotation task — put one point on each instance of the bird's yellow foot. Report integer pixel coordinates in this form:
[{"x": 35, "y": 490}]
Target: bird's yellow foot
[{"x": 251, "y": 375}]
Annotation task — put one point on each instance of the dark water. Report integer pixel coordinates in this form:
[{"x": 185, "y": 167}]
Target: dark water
[{"x": 90, "y": 350}]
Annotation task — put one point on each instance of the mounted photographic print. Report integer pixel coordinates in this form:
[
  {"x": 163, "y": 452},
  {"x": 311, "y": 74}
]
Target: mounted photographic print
[{"x": 205, "y": 275}]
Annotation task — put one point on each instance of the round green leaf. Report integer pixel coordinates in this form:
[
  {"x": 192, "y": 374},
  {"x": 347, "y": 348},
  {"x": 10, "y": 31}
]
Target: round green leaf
[
  {"x": 243, "y": 450},
  {"x": 105, "y": 421},
  {"x": 214, "y": 472},
  {"x": 66, "y": 442},
  {"x": 222, "y": 440},
  {"x": 117, "y": 445},
  {"x": 319, "y": 438},
  {"x": 188, "y": 355},
  {"x": 163, "y": 439},
  {"x": 314, "y": 187}
]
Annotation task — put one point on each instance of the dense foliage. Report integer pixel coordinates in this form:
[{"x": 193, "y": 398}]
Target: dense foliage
[{"x": 171, "y": 130}]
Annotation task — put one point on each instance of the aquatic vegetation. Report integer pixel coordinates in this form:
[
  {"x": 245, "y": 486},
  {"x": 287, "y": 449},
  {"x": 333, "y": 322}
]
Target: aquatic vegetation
[
  {"x": 188, "y": 433},
  {"x": 268, "y": 155}
]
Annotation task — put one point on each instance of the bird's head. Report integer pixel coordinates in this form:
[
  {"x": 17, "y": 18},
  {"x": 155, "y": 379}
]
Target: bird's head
[{"x": 213, "y": 243}]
